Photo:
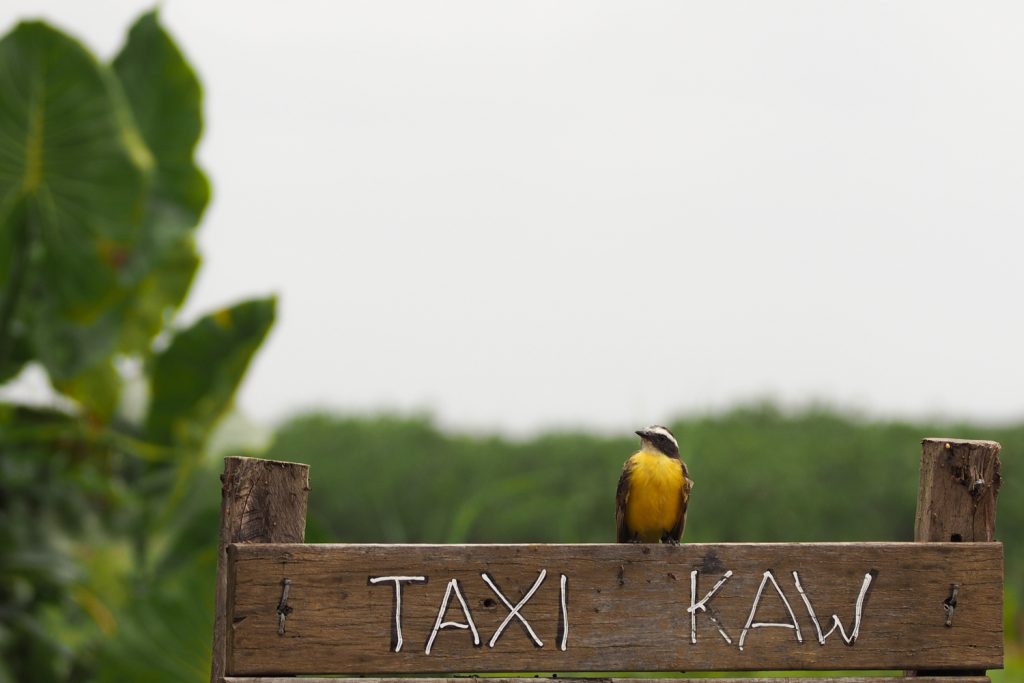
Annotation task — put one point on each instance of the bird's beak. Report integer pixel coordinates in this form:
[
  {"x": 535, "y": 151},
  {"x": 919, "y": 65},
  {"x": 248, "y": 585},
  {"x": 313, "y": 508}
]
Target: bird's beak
[{"x": 642, "y": 433}]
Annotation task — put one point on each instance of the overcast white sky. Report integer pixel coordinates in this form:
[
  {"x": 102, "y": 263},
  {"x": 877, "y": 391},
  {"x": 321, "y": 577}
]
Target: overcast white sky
[{"x": 519, "y": 215}]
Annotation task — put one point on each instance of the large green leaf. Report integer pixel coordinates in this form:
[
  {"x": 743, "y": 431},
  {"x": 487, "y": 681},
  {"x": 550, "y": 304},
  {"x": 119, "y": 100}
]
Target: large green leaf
[
  {"x": 195, "y": 378},
  {"x": 159, "y": 294},
  {"x": 14, "y": 256},
  {"x": 76, "y": 173},
  {"x": 166, "y": 101},
  {"x": 97, "y": 389}
]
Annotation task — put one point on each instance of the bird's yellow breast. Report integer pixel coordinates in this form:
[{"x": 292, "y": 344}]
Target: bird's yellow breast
[{"x": 655, "y": 495}]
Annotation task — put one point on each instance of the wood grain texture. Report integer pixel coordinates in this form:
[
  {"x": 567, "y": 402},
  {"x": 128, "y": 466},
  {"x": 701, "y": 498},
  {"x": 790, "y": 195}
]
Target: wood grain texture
[
  {"x": 626, "y": 607},
  {"x": 956, "y": 497},
  {"x": 262, "y": 501},
  {"x": 959, "y": 485},
  {"x": 780, "y": 679}
]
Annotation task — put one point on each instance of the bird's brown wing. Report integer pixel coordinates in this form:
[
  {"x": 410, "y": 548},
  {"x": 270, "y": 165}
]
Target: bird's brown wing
[
  {"x": 677, "y": 531},
  {"x": 622, "y": 533}
]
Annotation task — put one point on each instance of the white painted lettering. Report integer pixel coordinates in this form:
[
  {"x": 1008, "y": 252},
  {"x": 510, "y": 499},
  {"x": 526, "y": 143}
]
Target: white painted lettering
[
  {"x": 440, "y": 624},
  {"x": 398, "y": 581},
  {"x": 760, "y": 624},
  {"x": 515, "y": 610},
  {"x": 857, "y": 612},
  {"x": 564, "y": 640},
  {"x": 702, "y": 605}
]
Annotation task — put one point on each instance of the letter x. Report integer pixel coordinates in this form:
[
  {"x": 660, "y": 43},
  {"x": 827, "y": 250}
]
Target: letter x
[{"x": 515, "y": 610}]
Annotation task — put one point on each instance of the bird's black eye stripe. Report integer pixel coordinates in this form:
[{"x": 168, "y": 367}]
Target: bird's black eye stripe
[{"x": 665, "y": 444}]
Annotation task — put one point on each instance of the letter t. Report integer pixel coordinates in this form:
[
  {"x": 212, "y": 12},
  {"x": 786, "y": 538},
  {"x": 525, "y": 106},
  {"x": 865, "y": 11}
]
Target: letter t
[{"x": 396, "y": 635}]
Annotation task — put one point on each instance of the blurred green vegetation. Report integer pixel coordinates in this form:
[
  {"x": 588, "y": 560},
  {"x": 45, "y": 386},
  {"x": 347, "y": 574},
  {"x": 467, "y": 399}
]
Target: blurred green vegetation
[
  {"x": 761, "y": 475},
  {"x": 106, "y": 570}
]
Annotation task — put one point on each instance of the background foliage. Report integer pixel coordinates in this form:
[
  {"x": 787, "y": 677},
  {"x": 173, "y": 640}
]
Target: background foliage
[{"x": 105, "y": 566}]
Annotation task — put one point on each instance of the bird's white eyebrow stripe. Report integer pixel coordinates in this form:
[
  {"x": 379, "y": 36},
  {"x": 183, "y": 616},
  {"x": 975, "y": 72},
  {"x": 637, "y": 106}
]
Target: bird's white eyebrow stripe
[{"x": 657, "y": 429}]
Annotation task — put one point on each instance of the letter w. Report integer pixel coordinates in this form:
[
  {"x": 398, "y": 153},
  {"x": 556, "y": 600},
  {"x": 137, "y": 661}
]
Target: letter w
[{"x": 858, "y": 611}]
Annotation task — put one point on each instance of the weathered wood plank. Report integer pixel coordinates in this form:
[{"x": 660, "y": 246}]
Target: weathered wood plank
[
  {"x": 780, "y": 679},
  {"x": 623, "y": 607},
  {"x": 262, "y": 501}
]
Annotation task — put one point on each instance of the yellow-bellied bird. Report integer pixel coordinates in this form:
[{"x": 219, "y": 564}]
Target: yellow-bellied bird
[{"x": 654, "y": 489}]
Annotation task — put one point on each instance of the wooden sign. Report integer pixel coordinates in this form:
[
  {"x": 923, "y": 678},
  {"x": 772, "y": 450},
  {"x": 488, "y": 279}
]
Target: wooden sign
[{"x": 392, "y": 609}]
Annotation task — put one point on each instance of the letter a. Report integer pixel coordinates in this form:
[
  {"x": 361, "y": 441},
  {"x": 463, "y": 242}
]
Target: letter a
[
  {"x": 757, "y": 601},
  {"x": 453, "y": 585}
]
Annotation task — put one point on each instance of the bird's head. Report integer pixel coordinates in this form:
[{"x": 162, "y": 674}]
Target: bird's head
[{"x": 658, "y": 439}]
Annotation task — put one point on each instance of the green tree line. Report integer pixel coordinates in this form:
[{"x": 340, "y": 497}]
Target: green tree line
[{"x": 761, "y": 475}]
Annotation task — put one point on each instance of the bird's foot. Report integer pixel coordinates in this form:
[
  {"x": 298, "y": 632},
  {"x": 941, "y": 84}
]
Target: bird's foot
[{"x": 670, "y": 540}]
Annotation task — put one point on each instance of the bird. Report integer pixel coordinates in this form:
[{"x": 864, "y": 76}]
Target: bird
[{"x": 653, "y": 491}]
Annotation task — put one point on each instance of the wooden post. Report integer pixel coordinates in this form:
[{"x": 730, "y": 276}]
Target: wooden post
[
  {"x": 262, "y": 501},
  {"x": 956, "y": 499}
]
